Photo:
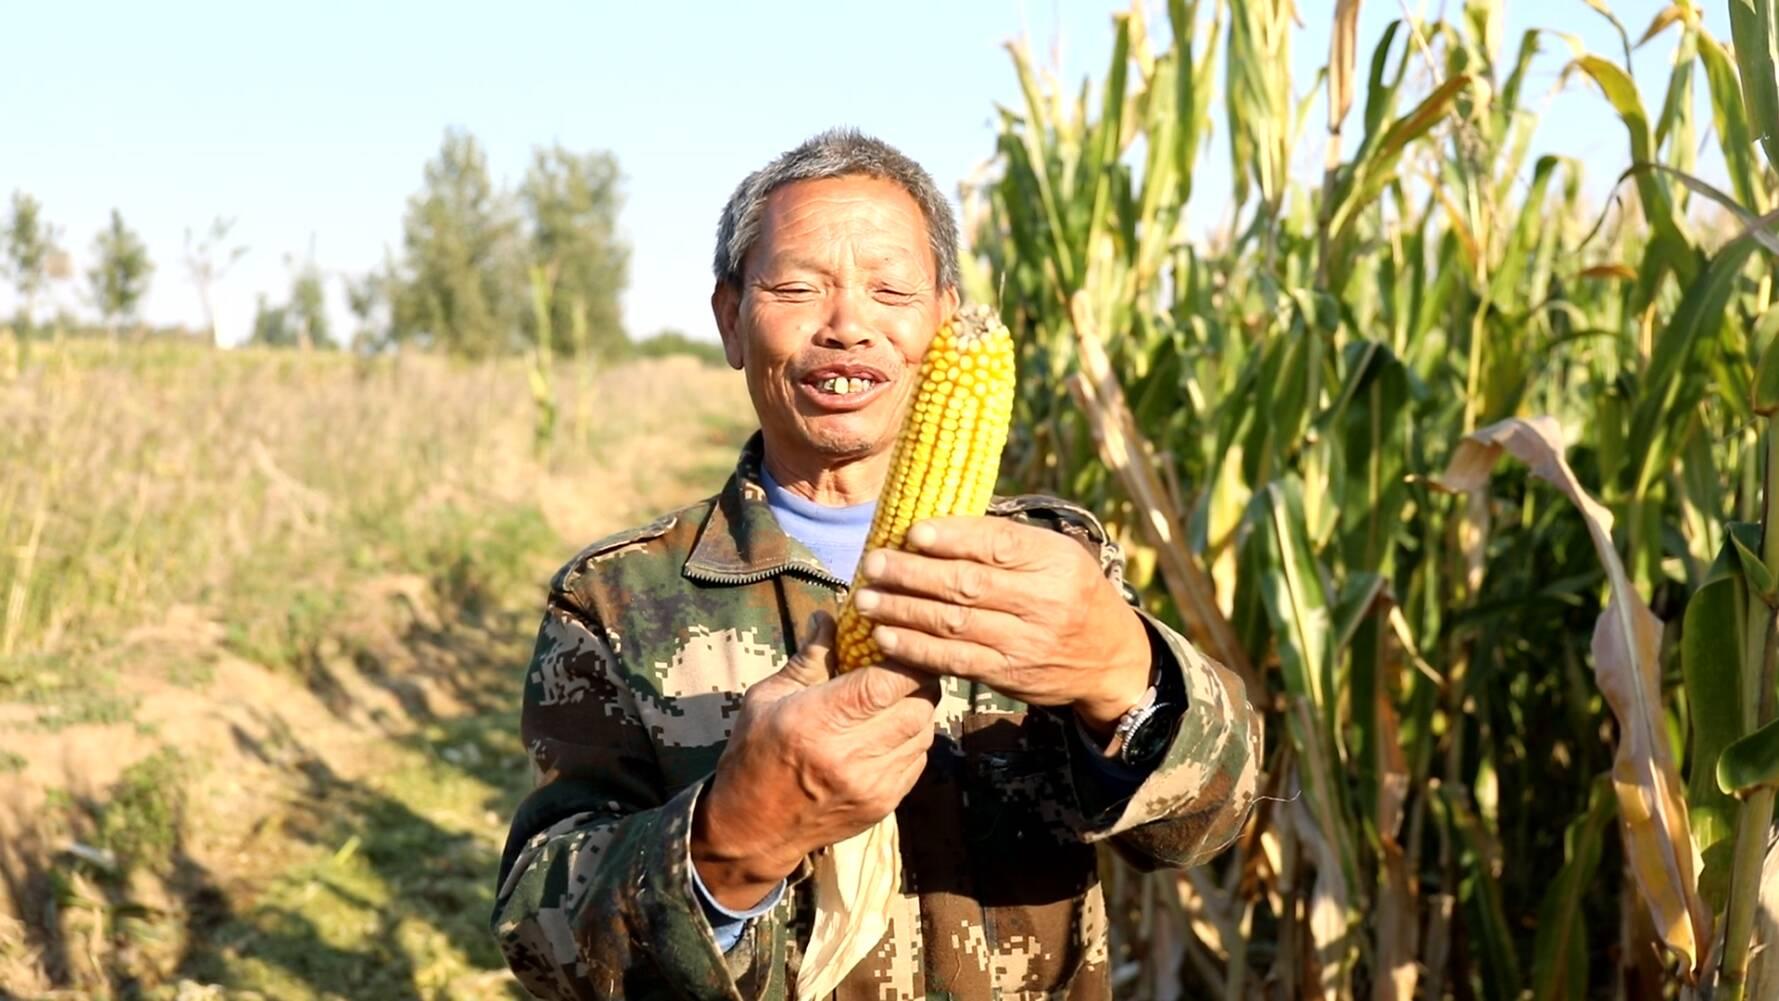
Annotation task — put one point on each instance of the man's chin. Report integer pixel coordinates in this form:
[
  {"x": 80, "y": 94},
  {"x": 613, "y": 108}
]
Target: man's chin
[{"x": 842, "y": 443}]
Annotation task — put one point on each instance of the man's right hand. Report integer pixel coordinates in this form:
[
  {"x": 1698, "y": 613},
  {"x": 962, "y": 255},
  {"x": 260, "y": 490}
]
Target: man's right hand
[{"x": 813, "y": 759}]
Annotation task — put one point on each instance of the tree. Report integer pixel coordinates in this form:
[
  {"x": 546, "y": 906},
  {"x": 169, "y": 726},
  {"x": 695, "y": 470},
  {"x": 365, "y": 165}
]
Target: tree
[
  {"x": 308, "y": 309},
  {"x": 302, "y": 321},
  {"x": 271, "y": 325},
  {"x": 120, "y": 277},
  {"x": 462, "y": 285},
  {"x": 207, "y": 262},
  {"x": 30, "y": 245},
  {"x": 367, "y": 296},
  {"x": 571, "y": 207}
]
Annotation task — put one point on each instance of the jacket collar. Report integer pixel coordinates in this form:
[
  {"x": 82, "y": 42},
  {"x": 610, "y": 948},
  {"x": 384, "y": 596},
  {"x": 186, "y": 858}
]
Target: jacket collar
[{"x": 741, "y": 541}]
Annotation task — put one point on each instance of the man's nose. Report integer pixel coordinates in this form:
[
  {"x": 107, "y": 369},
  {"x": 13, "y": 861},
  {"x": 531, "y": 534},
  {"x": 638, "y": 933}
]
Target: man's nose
[{"x": 847, "y": 325}]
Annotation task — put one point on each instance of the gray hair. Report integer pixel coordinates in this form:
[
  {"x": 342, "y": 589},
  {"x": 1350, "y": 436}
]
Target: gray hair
[{"x": 840, "y": 152}]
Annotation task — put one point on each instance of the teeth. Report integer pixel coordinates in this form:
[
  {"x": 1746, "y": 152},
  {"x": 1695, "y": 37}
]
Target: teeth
[{"x": 844, "y": 386}]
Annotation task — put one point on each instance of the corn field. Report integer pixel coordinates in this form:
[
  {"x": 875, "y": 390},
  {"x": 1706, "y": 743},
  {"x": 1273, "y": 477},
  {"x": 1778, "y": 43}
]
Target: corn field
[{"x": 1466, "y": 475}]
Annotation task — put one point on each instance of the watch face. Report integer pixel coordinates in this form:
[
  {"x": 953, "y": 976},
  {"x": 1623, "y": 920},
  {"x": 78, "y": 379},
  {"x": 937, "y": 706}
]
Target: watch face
[{"x": 1150, "y": 737}]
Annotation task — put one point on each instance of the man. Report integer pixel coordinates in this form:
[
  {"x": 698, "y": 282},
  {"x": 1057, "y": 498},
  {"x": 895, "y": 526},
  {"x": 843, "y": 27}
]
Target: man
[{"x": 694, "y": 751}]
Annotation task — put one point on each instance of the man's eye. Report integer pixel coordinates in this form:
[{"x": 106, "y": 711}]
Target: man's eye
[{"x": 793, "y": 290}]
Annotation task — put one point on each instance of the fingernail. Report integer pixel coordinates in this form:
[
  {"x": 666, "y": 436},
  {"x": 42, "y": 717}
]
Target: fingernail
[
  {"x": 864, "y": 600},
  {"x": 921, "y": 535},
  {"x": 873, "y": 564},
  {"x": 886, "y": 640}
]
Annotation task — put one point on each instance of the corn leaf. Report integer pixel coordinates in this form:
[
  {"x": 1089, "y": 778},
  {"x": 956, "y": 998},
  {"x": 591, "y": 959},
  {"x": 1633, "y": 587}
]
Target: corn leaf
[
  {"x": 1750, "y": 762},
  {"x": 1343, "y": 51},
  {"x": 1729, "y": 115},
  {"x": 1621, "y": 93},
  {"x": 1330, "y": 910},
  {"x": 1497, "y": 964},
  {"x": 1126, "y": 453},
  {"x": 1107, "y": 148},
  {"x": 1711, "y": 660},
  {"x": 1667, "y": 391},
  {"x": 1652, "y": 807},
  {"x": 1754, "y": 27},
  {"x": 1559, "y": 953},
  {"x": 1672, "y": 14}
]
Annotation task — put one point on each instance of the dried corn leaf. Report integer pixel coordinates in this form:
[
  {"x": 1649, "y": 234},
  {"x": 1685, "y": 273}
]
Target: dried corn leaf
[
  {"x": 1343, "y": 52},
  {"x": 1126, "y": 453},
  {"x": 856, "y": 882},
  {"x": 1652, "y": 804},
  {"x": 1763, "y": 968},
  {"x": 1330, "y": 906}
]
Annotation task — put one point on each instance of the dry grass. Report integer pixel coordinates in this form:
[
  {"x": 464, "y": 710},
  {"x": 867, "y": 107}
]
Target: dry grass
[
  {"x": 263, "y": 616},
  {"x": 156, "y": 476}
]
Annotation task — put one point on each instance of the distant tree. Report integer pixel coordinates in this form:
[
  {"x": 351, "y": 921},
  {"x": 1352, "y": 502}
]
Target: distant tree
[
  {"x": 571, "y": 203},
  {"x": 30, "y": 245},
  {"x": 368, "y": 297},
  {"x": 462, "y": 284},
  {"x": 302, "y": 321},
  {"x": 271, "y": 325},
  {"x": 207, "y": 261},
  {"x": 120, "y": 277}
]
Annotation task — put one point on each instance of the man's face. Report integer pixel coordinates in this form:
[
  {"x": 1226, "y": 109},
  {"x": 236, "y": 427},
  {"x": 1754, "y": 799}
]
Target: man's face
[{"x": 838, "y": 302}]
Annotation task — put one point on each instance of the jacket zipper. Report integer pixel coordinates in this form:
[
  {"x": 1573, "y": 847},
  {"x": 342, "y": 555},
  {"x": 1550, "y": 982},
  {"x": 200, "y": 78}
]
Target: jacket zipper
[{"x": 757, "y": 576}]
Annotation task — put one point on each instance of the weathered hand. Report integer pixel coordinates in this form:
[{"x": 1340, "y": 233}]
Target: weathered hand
[
  {"x": 1022, "y": 609},
  {"x": 813, "y": 759}
]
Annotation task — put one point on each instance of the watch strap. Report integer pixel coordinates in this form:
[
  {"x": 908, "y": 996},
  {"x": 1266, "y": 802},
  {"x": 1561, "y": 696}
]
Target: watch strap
[{"x": 1128, "y": 723}]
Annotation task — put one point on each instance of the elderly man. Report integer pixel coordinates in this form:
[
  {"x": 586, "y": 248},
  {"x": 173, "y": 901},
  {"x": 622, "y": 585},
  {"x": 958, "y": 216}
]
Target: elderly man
[{"x": 694, "y": 749}]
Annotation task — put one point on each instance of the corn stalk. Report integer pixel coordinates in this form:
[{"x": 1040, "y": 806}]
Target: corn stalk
[{"x": 1499, "y": 713}]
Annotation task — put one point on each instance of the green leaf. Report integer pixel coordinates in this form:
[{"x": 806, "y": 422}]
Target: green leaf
[
  {"x": 1751, "y": 762},
  {"x": 1497, "y": 960},
  {"x": 1698, "y": 318},
  {"x": 1621, "y": 93},
  {"x": 1107, "y": 146},
  {"x": 1754, "y": 27},
  {"x": 1297, "y": 599},
  {"x": 1560, "y": 950},
  {"x": 1730, "y": 116},
  {"x": 1757, "y": 228},
  {"x": 1036, "y": 161},
  {"x": 1766, "y": 383},
  {"x": 1379, "y": 164},
  {"x": 1711, "y": 662},
  {"x": 1759, "y": 577}
]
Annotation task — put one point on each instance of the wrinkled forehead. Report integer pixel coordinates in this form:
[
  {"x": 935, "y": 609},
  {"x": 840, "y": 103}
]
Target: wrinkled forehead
[{"x": 869, "y": 220}]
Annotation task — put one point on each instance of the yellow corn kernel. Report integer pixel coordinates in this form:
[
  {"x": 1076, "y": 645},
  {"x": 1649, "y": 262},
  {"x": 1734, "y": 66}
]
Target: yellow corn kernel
[{"x": 948, "y": 454}]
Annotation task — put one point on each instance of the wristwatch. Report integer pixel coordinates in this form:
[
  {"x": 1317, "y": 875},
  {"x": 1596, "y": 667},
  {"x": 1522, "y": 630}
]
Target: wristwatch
[
  {"x": 1145, "y": 729},
  {"x": 1140, "y": 734}
]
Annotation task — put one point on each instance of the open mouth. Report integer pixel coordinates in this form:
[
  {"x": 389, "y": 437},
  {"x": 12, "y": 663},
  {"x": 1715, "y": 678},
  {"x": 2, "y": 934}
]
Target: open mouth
[
  {"x": 838, "y": 388},
  {"x": 844, "y": 386}
]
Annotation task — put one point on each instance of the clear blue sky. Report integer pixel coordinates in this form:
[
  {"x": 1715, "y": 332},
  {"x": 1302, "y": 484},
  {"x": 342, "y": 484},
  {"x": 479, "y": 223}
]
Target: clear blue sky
[{"x": 312, "y": 123}]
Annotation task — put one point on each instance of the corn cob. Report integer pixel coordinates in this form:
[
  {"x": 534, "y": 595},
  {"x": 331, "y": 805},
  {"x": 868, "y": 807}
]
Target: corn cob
[
  {"x": 948, "y": 454},
  {"x": 945, "y": 462}
]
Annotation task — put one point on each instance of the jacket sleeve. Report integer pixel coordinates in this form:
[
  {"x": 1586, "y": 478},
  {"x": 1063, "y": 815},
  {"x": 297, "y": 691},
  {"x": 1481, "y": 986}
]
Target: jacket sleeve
[
  {"x": 1195, "y": 801},
  {"x": 595, "y": 896}
]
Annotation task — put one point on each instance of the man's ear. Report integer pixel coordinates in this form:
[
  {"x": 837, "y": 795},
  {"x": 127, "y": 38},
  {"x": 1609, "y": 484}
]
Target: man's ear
[
  {"x": 725, "y": 305},
  {"x": 948, "y": 303}
]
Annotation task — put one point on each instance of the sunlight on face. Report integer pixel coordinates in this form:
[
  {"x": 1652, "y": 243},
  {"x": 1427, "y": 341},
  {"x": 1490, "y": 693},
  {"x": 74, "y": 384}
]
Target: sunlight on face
[{"x": 838, "y": 303}]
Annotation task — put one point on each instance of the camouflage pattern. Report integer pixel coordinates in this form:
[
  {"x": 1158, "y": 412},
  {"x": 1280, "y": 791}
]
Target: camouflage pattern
[{"x": 648, "y": 641}]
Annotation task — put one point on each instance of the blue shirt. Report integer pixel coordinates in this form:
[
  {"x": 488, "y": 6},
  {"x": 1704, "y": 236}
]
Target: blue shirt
[{"x": 836, "y": 535}]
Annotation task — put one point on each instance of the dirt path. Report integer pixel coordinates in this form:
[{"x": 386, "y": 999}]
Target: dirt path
[{"x": 239, "y": 831}]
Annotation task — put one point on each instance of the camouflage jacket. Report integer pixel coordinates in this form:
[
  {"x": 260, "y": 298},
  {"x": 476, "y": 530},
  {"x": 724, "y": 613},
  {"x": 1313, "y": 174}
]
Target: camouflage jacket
[{"x": 648, "y": 640}]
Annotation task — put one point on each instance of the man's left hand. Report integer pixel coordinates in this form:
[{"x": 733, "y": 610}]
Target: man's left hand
[{"x": 1021, "y": 609}]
